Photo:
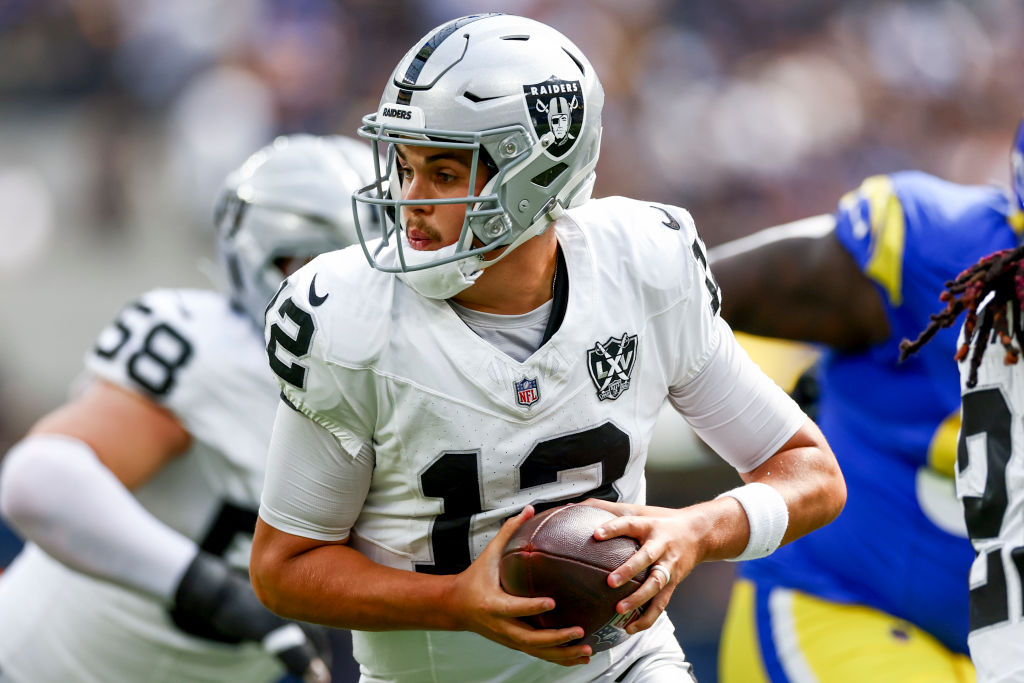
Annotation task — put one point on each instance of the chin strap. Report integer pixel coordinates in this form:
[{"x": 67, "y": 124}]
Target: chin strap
[{"x": 544, "y": 220}]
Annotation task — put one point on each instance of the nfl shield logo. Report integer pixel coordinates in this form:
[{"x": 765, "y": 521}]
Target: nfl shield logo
[{"x": 527, "y": 392}]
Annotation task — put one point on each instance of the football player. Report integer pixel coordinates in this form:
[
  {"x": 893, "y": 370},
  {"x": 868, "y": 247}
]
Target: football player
[
  {"x": 138, "y": 497},
  {"x": 990, "y": 459},
  {"x": 879, "y": 593},
  {"x": 509, "y": 351}
]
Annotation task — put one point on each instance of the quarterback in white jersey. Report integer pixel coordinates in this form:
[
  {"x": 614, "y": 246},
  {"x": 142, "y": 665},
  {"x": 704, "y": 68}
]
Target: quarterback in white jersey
[
  {"x": 509, "y": 351},
  {"x": 138, "y": 497},
  {"x": 449, "y": 448}
]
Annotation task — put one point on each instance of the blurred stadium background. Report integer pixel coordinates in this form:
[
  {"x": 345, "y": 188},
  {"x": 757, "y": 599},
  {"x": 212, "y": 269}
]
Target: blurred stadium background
[{"x": 119, "y": 118}]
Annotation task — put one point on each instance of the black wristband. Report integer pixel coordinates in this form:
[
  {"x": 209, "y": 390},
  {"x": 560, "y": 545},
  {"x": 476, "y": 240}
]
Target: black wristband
[{"x": 215, "y": 602}]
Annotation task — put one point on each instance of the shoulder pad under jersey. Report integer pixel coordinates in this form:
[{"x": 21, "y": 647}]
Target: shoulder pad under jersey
[{"x": 188, "y": 350}]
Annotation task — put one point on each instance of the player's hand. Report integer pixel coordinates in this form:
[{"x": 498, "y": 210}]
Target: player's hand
[
  {"x": 488, "y": 610},
  {"x": 215, "y": 602},
  {"x": 667, "y": 540},
  {"x": 308, "y": 658}
]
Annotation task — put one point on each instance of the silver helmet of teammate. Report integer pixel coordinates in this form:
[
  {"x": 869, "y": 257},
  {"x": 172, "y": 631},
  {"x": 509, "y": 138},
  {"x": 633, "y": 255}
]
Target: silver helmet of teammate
[
  {"x": 288, "y": 202},
  {"x": 518, "y": 94}
]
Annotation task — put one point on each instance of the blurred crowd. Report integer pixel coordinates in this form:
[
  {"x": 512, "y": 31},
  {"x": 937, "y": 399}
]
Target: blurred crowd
[{"x": 744, "y": 111}]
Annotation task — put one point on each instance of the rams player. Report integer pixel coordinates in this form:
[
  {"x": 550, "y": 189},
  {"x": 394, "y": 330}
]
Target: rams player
[
  {"x": 990, "y": 466},
  {"x": 879, "y": 594},
  {"x": 138, "y": 497}
]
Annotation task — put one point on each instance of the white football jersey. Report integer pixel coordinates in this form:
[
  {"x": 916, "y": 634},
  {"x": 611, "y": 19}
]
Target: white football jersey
[
  {"x": 464, "y": 436},
  {"x": 990, "y": 482},
  {"x": 191, "y": 352}
]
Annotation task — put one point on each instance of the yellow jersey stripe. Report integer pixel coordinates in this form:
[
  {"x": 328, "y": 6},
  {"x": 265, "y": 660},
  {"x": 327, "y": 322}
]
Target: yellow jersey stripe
[{"x": 888, "y": 236}]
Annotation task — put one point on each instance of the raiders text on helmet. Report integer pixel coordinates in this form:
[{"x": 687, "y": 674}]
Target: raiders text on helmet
[{"x": 524, "y": 100}]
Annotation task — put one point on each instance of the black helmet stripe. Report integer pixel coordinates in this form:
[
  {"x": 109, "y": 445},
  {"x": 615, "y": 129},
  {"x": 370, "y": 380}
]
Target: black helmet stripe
[{"x": 433, "y": 42}]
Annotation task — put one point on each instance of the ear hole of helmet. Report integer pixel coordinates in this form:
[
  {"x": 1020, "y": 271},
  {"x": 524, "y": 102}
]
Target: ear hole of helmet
[
  {"x": 545, "y": 178},
  {"x": 488, "y": 162}
]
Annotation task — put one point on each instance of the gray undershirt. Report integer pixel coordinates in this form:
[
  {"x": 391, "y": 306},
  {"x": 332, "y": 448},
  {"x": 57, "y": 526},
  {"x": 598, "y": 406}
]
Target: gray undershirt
[{"x": 518, "y": 336}]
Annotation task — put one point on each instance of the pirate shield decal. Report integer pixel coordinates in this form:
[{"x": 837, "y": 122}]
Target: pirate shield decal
[
  {"x": 611, "y": 365},
  {"x": 556, "y": 107}
]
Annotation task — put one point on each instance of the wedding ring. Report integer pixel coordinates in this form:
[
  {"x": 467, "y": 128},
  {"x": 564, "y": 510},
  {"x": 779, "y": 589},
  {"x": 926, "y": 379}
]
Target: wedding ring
[{"x": 663, "y": 570}]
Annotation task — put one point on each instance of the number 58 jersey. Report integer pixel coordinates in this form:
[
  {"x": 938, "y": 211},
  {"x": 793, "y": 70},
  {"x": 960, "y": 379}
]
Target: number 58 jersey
[
  {"x": 188, "y": 351},
  {"x": 193, "y": 353}
]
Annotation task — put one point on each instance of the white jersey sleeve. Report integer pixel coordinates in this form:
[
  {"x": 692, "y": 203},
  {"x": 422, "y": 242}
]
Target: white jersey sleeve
[
  {"x": 698, "y": 311},
  {"x": 314, "y": 488},
  {"x": 190, "y": 352},
  {"x": 728, "y": 400},
  {"x": 306, "y": 353},
  {"x": 990, "y": 482},
  {"x": 736, "y": 408}
]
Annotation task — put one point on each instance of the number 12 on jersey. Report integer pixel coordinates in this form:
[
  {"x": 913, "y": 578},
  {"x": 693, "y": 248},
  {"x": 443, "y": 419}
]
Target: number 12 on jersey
[{"x": 455, "y": 478}]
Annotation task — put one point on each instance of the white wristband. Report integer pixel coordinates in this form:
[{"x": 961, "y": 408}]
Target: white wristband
[{"x": 767, "y": 515}]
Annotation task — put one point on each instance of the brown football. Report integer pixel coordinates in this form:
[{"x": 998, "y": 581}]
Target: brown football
[{"x": 554, "y": 554}]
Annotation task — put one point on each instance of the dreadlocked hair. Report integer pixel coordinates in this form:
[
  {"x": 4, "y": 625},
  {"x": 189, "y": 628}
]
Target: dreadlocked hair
[{"x": 1002, "y": 274}]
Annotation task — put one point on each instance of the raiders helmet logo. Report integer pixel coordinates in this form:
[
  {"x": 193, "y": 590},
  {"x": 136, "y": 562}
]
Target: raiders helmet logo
[{"x": 556, "y": 107}]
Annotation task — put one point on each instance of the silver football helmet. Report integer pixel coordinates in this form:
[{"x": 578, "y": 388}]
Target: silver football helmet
[
  {"x": 287, "y": 203},
  {"x": 518, "y": 94}
]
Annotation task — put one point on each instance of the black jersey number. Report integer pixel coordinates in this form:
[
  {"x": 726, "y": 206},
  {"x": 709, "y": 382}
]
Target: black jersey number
[
  {"x": 985, "y": 412},
  {"x": 714, "y": 290},
  {"x": 455, "y": 478},
  {"x": 297, "y": 345},
  {"x": 164, "y": 351},
  {"x": 232, "y": 523}
]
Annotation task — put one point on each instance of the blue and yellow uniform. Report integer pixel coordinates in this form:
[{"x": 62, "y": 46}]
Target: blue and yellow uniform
[{"x": 889, "y": 576}]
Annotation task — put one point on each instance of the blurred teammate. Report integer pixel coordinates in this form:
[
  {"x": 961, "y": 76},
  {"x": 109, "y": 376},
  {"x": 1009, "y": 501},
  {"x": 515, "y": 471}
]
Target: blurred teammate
[
  {"x": 879, "y": 594},
  {"x": 138, "y": 497},
  {"x": 990, "y": 459},
  {"x": 511, "y": 351}
]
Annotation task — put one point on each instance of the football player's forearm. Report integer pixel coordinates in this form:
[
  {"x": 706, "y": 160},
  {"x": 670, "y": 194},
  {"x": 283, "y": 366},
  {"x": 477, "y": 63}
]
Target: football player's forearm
[
  {"x": 806, "y": 474},
  {"x": 798, "y": 281},
  {"x": 338, "y": 586},
  {"x": 807, "y": 480},
  {"x": 764, "y": 274}
]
